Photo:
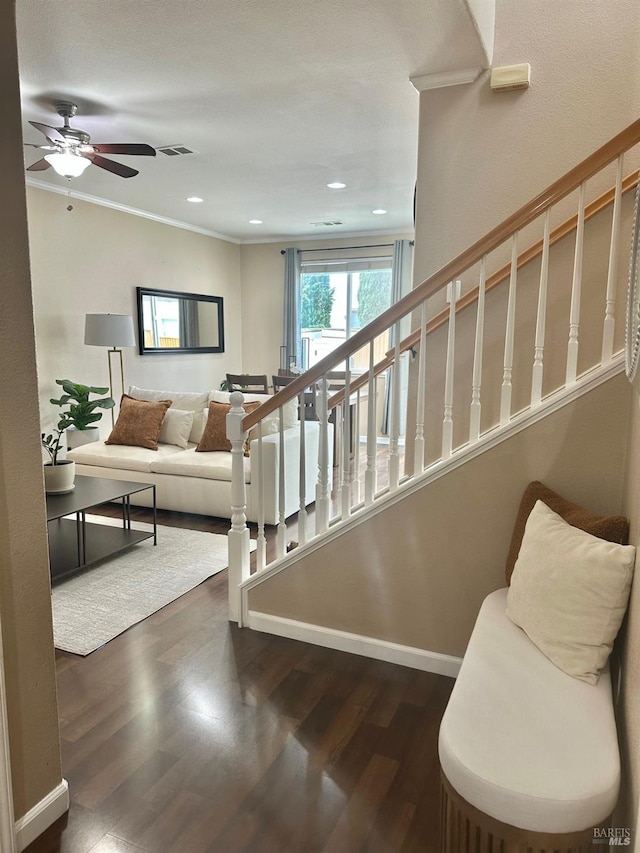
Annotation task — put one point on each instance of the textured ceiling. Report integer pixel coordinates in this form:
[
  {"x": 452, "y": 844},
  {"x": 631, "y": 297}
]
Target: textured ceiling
[{"x": 276, "y": 97}]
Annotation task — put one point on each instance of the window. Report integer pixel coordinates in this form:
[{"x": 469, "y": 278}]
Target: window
[{"x": 337, "y": 300}]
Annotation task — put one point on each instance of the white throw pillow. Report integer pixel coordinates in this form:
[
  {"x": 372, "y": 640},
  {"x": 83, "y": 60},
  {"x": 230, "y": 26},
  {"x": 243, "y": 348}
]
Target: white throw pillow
[
  {"x": 569, "y": 592},
  {"x": 176, "y": 428},
  {"x": 289, "y": 410},
  {"x": 186, "y": 401},
  {"x": 199, "y": 423}
]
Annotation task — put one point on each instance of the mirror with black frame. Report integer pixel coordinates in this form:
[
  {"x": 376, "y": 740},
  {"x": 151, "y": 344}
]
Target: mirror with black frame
[{"x": 170, "y": 321}]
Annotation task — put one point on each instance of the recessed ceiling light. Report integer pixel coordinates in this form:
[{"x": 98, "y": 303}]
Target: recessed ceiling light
[
  {"x": 378, "y": 211},
  {"x": 336, "y": 185},
  {"x": 255, "y": 222},
  {"x": 195, "y": 199}
]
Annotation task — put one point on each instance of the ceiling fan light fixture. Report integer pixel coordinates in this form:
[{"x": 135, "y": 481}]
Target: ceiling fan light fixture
[{"x": 67, "y": 164}]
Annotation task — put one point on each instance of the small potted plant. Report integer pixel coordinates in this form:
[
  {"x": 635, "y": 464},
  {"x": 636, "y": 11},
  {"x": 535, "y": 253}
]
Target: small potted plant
[
  {"x": 81, "y": 411},
  {"x": 59, "y": 474}
]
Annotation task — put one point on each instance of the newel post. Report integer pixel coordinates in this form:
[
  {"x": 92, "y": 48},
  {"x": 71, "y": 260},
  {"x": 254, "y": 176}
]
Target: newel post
[{"x": 239, "y": 532}]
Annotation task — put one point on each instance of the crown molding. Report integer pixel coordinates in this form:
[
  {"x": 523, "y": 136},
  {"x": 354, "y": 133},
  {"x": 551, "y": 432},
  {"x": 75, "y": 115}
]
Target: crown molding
[
  {"x": 440, "y": 79},
  {"x": 333, "y": 235},
  {"x": 134, "y": 211}
]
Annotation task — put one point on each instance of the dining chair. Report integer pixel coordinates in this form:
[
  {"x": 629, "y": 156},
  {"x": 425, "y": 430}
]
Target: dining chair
[
  {"x": 252, "y": 382},
  {"x": 310, "y": 413}
]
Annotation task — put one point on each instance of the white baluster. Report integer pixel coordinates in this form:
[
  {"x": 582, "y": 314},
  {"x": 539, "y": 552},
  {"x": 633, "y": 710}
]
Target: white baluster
[
  {"x": 419, "y": 444},
  {"x": 355, "y": 429},
  {"x": 538, "y": 353},
  {"x": 505, "y": 399},
  {"x": 394, "y": 431},
  {"x": 339, "y": 466},
  {"x": 476, "y": 382},
  {"x": 345, "y": 494},
  {"x": 574, "y": 317},
  {"x": 370, "y": 474},
  {"x": 447, "y": 422},
  {"x": 238, "y": 536},
  {"x": 302, "y": 511},
  {"x": 610, "y": 307},
  {"x": 261, "y": 547},
  {"x": 323, "y": 486},
  {"x": 281, "y": 532}
]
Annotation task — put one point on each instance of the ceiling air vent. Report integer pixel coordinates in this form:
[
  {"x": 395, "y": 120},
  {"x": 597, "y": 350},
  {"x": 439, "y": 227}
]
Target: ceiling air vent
[
  {"x": 325, "y": 224},
  {"x": 175, "y": 150}
]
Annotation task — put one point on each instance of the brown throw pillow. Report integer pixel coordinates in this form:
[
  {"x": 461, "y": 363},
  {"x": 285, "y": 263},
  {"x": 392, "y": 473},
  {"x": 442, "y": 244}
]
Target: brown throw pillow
[
  {"x": 214, "y": 436},
  {"x": 139, "y": 423},
  {"x": 612, "y": 528}
]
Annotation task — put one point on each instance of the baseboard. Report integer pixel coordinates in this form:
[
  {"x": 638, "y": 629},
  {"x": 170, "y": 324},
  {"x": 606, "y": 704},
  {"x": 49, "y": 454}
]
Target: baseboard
[
  {"x": 356, "y": 644},
  {"x": 42, "y": 815}
]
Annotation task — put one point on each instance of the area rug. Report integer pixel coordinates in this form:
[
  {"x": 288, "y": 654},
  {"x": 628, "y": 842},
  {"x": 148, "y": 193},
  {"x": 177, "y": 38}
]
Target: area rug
[{"x": 101, "y": 602}]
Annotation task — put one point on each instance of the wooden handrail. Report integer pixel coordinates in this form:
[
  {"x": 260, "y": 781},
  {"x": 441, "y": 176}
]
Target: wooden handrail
[
  {"x": 592, "y": 209},
  {"x": 569, "y": 225},
  {"x": 470, "y": 256}
]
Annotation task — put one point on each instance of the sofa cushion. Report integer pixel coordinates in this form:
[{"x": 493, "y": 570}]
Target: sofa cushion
[
  {"x": 569, "y": 592},
  {"x": 215, "y": 465},
  {"x": 613, "y": 528},
  {"x": 214, "y": 437},
  {"x": 102, "y": 455},
  {"x": 199, "y": 423},
  {"x": 189, "y": 401},
  {"x": 139, "y": 422},
  {"x": 176, "y": 428}
]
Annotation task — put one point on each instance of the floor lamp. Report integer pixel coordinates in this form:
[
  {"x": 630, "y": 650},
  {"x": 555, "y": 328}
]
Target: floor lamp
[{"x": 113, "y": 331}]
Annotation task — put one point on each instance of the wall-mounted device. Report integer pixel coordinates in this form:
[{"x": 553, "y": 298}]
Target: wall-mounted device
[{"x": 506, "y": 78}]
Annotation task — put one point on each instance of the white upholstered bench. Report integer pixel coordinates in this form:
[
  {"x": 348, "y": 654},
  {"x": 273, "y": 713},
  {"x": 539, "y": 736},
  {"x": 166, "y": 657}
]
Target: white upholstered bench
[{"x": 529, "y": 755}]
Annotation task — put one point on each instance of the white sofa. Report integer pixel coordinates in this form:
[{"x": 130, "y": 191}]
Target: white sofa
[{"x": 187, "y": 481}]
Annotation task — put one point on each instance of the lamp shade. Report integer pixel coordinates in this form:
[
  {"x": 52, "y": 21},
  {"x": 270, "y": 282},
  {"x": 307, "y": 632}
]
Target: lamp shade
[
  {"x": 68, "y": 164},
  {"x": 109, "y": 330}
]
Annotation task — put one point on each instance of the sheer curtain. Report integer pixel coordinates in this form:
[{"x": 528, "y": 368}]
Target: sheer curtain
[
  {"x": 291, "y": 338},
  {"x": 400, "y": 286}
]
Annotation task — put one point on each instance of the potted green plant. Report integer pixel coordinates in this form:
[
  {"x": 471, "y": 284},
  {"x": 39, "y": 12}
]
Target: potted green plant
[
  {"x": 59, "y": 474},
  {"x": 81, "y": 411}
]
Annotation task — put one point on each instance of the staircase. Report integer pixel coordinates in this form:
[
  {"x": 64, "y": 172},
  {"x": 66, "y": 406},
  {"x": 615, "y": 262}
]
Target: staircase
[{"x": 523, "y": 322}]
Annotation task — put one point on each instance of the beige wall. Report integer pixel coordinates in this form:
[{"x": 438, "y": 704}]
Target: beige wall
[
  {"x": 416, "y": 573},
  {"x": 628, "y": 705},
  {"x": 25, "y": 607},
  {"x": 481, "y": 155},
  {"x": 263, "y": 293},
  {"x": 90, "y": 260}
]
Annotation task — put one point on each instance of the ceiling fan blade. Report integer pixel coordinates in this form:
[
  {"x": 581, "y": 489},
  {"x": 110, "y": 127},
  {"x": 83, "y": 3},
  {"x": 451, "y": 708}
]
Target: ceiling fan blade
[
  {"x": 125, "y": 148},
  {"x": 52, "y": 133},
  {"x": 39, "y": 166},
  {"x": 112, "y": 166}
]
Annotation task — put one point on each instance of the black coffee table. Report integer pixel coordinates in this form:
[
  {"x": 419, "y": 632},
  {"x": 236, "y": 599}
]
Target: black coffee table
[{"x": 75, "y": 544}]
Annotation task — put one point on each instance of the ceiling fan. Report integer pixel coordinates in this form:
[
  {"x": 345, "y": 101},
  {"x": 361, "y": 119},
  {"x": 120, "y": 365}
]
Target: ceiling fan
[{"x": 71, "y": 151}]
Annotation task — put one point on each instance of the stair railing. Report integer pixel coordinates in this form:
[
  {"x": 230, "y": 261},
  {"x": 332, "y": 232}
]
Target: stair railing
[{"x": 363, "y": 473}]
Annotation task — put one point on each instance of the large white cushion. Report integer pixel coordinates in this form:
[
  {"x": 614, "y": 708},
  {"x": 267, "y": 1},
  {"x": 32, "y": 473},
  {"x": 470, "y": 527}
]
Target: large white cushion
[
  {"x": 121, "y": 456},
  {"x": 569, "y": 592},
  {"x": 522, "y": 741},
  {"x": 271, "y": 423},
  {"x": 176, "y": 428},
  {"x": 215, "y": 465},
  {"x": 189, "y": 401}
]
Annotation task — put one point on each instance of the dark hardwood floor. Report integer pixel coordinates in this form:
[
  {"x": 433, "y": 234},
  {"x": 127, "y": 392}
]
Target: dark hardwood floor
[{"x": 187, "y": 734}]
